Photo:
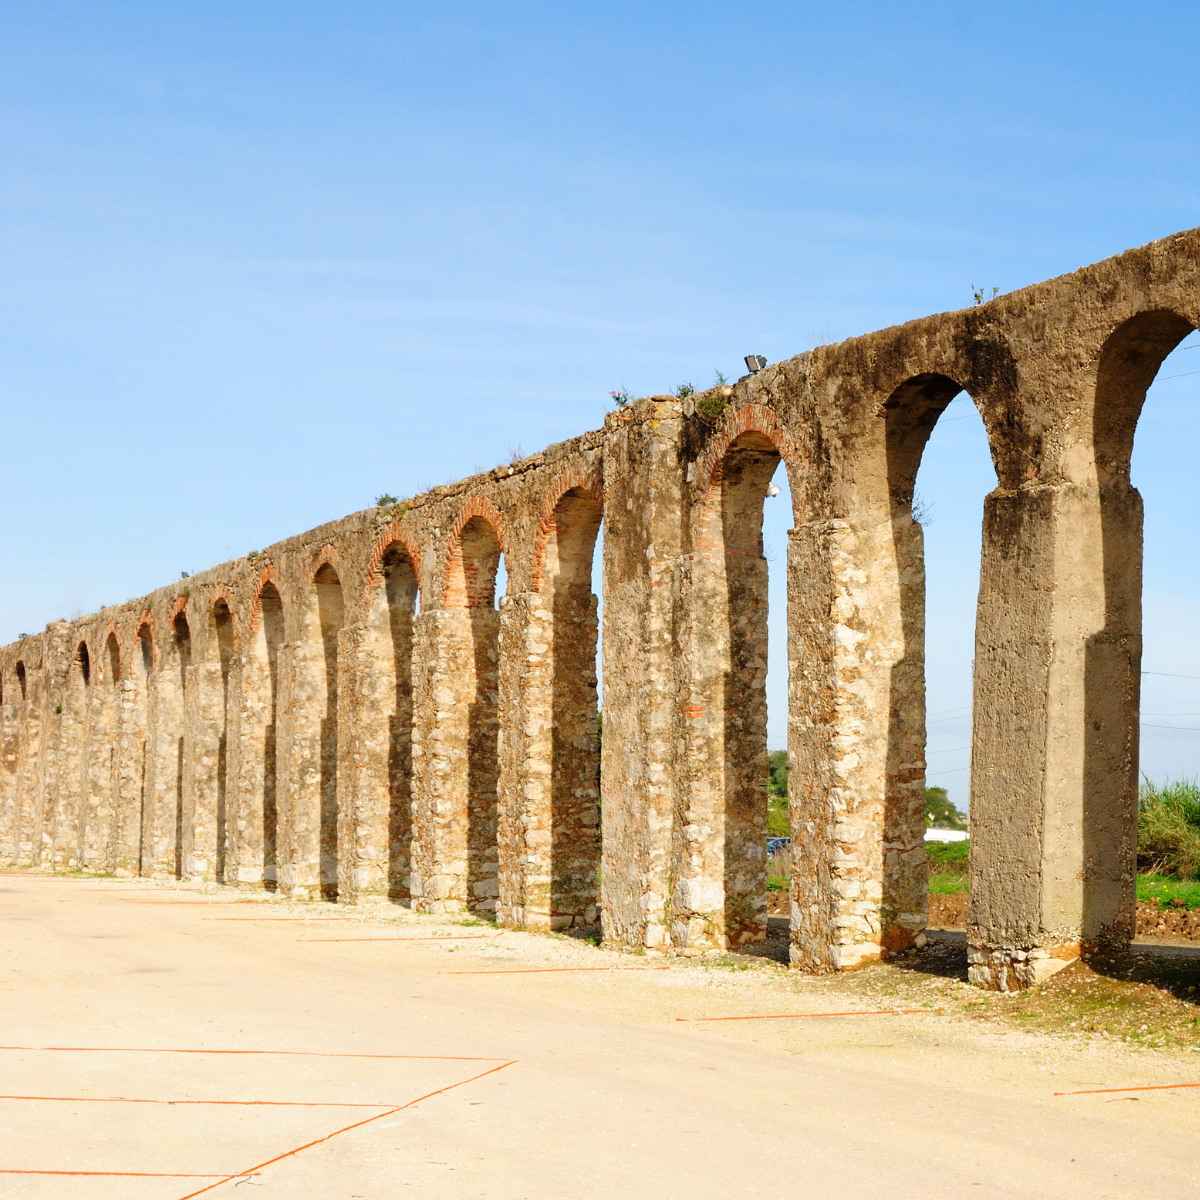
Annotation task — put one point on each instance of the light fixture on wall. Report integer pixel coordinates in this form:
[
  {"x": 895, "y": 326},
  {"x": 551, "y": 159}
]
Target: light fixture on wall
[
  {"x": 755, "y": 362},
  {"x": 772, "y": 489}
]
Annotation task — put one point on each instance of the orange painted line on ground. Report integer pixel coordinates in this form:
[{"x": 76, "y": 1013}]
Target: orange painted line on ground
[
  {"x": 291, "y": 1053},
  {"x": 872, "y": 1012},
  {"x": 553, "y": 970},
  {"x": 357, "y": 1125},
  {"x": 250, "y": 1103},
  {"x": 1154, "y": 1087},
  {"x": 123, "y": 1174},
  {"x": 445, "y": 937}
]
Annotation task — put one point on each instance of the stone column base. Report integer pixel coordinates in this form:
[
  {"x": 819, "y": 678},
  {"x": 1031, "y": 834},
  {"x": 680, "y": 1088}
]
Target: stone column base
[{"x": 1012, "y": 969}]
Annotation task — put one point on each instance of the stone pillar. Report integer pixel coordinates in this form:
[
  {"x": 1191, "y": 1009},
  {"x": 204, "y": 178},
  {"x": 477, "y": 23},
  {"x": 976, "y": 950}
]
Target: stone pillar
[
  {"x": 28, "y": 767},
  {"x": 162, "y": 833},
  {"x": 230, "y": 798},
  {"x": 203, "y": 729},
  {"x": 44, "y": 770},
  {"x": 642, "y": 544},
  {"x": 856, "y": 738},
  {"x": 366, "y": 694},
  {"x": 300, "y": 710},
  {"x": 130, "y": 769},
  {"x": 253, "y": 855},
  {"x": 721, "y": 893},
  {"x": 548, "y": 805},
  {"x": 1055, "y": 739},
  {"x": 99, "y": 756},
  {"x": 523, "y": 792},
  {"x": 9, "y": 751},
  {"x": 69, "y": 806},
  {"x": 443, "y": 686}
]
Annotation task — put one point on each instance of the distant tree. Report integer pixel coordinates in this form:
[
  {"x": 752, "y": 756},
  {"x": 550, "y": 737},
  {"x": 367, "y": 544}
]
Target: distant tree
[
  {"x": 778, "y": 821},
  {"x": 777, "y": 782},
  {"x": 940, "y": 813}
]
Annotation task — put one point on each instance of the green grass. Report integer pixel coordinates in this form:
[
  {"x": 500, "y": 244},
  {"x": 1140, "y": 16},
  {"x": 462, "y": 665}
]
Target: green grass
[
  {"x": 1164, "y": 889},
  {"x": 948, "y": 885},
  {"x": 948, "y": 856},
  {"x": 948, "y": 863}
]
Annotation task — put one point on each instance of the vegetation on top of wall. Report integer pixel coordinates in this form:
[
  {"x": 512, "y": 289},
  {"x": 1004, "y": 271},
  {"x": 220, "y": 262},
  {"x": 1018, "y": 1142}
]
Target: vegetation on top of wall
[
  {"x": 1169, "y": 828},
  {"x": 386, "y": 500}
]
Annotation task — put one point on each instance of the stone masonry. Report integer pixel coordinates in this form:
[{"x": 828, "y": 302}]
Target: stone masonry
[{"x": 352, "y": 714}]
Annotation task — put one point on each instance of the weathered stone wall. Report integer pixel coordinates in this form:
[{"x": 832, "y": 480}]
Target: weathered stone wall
[{"x": 353, "y": 714}]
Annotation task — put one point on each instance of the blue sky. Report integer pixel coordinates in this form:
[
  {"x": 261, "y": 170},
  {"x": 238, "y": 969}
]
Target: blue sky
[{"x": 262, "y": 262}]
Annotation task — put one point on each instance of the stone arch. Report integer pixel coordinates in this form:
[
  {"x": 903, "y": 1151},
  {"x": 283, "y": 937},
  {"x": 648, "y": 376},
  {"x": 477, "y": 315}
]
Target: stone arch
[
  {"x": 747, "y": 419},
  {"x": 20, "y": 673},
  {"x": 720, "y": 893},
  {"x": 314, "y": 801},
  {"x": 81, "y": 665},
  {"x": 1126, "y": 366},
  {"x": 255, "y": 838},
  {"x": 222, "y": 640},
  {"x": 1085, "y": 884},
  {"x": 474, "y": 546},
  {"x": 466, "y": 763},
  {"x": 265, "y": 576},
  {"x": 327, "y": 556},
  {"x": 384, "y": 780},
  {"x": 143, "y": 660},
  {"x": 144, "y": 651},
  {"x": 575, "y": 479},
  {"x": 393, "y": 538},
  {"x": 112, "y": 656},
  {"x": 221, "y": 630},
  {"x": 560, "y": 817}
]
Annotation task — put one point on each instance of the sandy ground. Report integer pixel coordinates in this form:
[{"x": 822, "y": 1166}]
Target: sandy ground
[{"x": 161, "y": 1042}]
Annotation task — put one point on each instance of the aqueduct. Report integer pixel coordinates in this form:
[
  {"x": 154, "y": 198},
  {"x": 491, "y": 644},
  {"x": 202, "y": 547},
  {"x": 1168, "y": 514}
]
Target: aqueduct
[{"x": 351, "y": 714}]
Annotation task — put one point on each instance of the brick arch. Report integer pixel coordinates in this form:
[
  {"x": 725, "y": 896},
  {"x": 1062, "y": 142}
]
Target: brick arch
[
  {"x": 328, "y": 554},
  {"x": 84, "y": 642},
  {"x": 180, "y": 606},
  {"x": 756, "y": 418},
  {"x": 393, "y": 534},
  {"x": 586, "y": 480},
  {"x": 265, "y": 576},
  {"x": 111, "y": 630},
  {"x": 147, "y": 619},
  {"x": 222, "y": 591},
  {"x": 476, "y": 506}
]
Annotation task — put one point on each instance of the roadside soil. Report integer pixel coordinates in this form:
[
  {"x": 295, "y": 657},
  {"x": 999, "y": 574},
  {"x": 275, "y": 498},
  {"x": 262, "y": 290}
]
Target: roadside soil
[{"x": 1172, "y": 924}]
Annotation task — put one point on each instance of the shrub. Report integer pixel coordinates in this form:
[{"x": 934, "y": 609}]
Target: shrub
[
  {"x": 711, "y": 408},
  {"x": 1169, "y": 828}
]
